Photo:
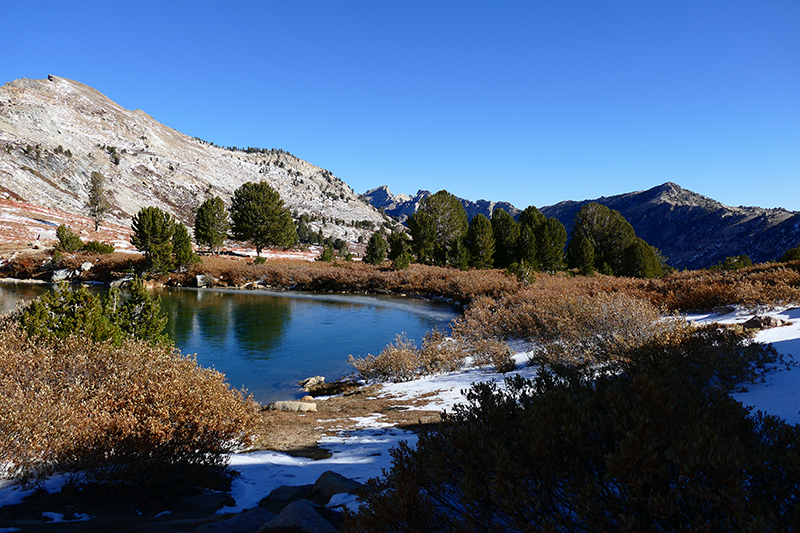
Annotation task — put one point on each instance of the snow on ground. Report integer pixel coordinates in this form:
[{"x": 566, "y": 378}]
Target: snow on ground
[
  {"x": 780, "y": 394},
  {"x": 362, "y": 453}
]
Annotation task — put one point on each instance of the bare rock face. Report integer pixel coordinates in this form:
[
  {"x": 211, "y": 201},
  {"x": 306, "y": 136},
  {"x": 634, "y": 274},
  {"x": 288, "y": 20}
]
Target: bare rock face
[{"x": 55, "y": 132}]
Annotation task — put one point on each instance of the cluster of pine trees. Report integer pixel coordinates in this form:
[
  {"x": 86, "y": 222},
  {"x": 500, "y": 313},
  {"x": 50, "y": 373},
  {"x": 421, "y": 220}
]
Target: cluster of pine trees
[{"x": 601, "y": 240}]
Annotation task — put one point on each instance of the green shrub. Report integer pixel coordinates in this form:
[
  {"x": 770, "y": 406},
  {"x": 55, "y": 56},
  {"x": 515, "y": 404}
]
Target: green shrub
[
  {"x": 655, "y": 444},
  {"x": 260, "y": 260},
  {"x": 68, "y": 241},
  {"x": 98, "y": 247},
  {"x": 100, "y": 318}
]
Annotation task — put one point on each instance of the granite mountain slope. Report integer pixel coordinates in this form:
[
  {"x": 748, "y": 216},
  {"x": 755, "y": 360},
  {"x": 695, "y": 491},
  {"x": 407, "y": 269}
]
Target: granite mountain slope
[{"x": 55, "y": 132}]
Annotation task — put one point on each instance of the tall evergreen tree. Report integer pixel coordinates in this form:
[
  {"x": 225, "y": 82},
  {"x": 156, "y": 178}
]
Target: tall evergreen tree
[
  {"x": 211, "y": 223},
  {"x": 376, "y": 249},
  {"x": 550, "y": 243},
  {"x": 480, "y": 242},
  {"x": 530, "y": 222},
  {"x": 258, "y": 216},
  {"x": 152, "y": 234},
  {"x": 182, "y": 245},
  {"x": 98, "y": 204},
  {"x": 398, "y": 244},
  {"x": 615, "y": 246},
  {"x": 506, "y": 236},
  {"x": 438, "y": 229}
]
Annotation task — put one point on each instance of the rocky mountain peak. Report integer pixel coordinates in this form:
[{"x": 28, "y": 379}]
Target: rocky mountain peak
[{"x": 55, "y": 132}]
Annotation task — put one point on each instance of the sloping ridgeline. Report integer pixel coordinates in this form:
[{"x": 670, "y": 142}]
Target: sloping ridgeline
[{"x": 694, "y": 231}]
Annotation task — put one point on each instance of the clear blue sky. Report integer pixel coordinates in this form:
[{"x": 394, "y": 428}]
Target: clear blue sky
[{"x": 531, "y": 102}]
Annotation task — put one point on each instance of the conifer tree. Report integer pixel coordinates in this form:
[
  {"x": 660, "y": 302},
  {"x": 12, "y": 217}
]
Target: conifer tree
[
  {"x": 398, "y": 244},
  {"x": 258, "y": 216},
  {"x": 550, "y": 243},
  {"x": 438, "y": 230},
  {"x": 613, "y": 241},
  {"x": 98, "y": 204},
  {"x": 506, "y": 236},
  {"x": 211, "y": 223},
  {"x": 152, "y": 234},
  {"x": 182, "y": 246},
  {"x": 376, "y": 249},
  {"x": 480, "y": 243},
  {"x": 530, "y": 222}
]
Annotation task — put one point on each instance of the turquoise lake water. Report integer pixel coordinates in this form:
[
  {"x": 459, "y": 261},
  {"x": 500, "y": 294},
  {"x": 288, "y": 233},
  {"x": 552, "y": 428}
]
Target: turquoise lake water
[{"x": 268, "y": 341}]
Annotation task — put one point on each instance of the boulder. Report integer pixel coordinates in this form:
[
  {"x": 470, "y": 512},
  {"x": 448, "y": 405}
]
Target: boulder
[
  {"x": 330, "y": 483},
  {"x": 764, "y": 322},
  {"x": 298, "y": 407},
  {"x": 211, "y": 501},
  {"x": 301, "y": 515},
  {"x": 61, "y": 274},
  {"x": 723, "y": 309},
  {"x": 248, "y": 521},
  {"x": 283, "y": 496},
  {"x": 85, "y": 267},
  {"x": 121, "y": 282},
  {"x": 204, "y": 281},
  {"x": 309, "y": 383}
]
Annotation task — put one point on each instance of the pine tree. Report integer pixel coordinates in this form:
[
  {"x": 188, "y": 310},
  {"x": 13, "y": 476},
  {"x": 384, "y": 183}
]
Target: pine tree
[
  {"x": 376, "y": 249},
  {"x": 614, "y": 243},
  {"x": 640, "y": 261},
  {"x": 258, "y": 216},
  {"x": 398, "y": 244},
  {"x": 98, "y": 204},
  {"x": 550, "y": 241},
  {"x": 438, "y": 230},
  {"x": 506, "y": 236},
  {"x": 530, "y": 222},
  {"x": 182, "y": 246},
  {"x": 152, "y": 234},
  {"x": 211, "y": 223},
  {"x": 480, "y": 243}
]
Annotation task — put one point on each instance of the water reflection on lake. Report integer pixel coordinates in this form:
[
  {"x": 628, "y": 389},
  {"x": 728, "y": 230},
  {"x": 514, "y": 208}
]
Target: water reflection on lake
[{"x": 268, "y": 341}]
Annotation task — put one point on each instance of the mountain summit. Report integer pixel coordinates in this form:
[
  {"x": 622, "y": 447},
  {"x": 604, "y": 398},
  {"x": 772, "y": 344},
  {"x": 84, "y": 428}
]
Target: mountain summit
[
  {"x": 55, "y": 132},
  {"x": 695, "y": 231}
]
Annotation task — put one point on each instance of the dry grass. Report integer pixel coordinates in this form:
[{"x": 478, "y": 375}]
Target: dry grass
[{"x": 139, "y": 413}]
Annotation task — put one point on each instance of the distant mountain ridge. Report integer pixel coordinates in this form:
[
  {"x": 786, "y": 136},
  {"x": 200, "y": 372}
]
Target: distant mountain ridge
[
  {"x": 402, "y": 206},
  {"x": 692, "y": 231}
]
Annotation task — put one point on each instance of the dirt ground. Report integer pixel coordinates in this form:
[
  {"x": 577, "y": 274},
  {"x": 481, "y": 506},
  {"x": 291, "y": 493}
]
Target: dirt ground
[{"x": 298, "y": 434}]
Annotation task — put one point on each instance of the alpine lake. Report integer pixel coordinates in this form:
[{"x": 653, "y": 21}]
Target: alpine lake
[{"x": 267, "y": 341}]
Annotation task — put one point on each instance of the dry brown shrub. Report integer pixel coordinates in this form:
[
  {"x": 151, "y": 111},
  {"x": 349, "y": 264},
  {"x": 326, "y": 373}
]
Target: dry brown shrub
[
  {"x": 494, "y": 353},
  {"x": 451, "y": 283},
  {"x": 578, "y": 326},
  {"x": 139, "y": 413},
  {"x": 441, "y": 353},
  {"x": 399, "y": 361}
]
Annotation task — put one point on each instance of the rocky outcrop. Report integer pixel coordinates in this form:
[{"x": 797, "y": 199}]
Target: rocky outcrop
[
  {"x": 55, "y": 132},
  {"x": 402, "y": 206}
]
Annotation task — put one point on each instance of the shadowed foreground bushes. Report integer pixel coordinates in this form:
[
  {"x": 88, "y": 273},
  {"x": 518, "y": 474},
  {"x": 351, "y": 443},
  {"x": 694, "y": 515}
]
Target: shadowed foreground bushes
[{"x": 653, "y": 444}]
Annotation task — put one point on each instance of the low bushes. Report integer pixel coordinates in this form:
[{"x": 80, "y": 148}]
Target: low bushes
[
  {"x": 403, "y": 361},
  {"x": 654, "y": 443},
  {"x": 91, "y": 386},
  {"x": 570, "y": 326},
  {"x": 138, "y": 413}
]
